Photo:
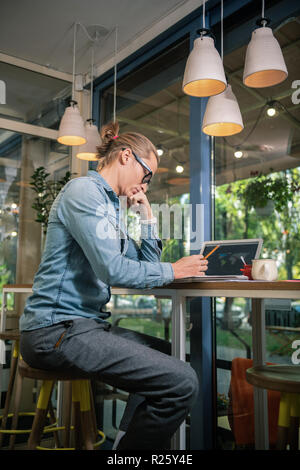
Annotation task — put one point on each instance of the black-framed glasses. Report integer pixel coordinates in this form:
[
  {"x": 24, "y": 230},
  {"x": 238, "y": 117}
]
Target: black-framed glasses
[{"x": 147, "y": 178}]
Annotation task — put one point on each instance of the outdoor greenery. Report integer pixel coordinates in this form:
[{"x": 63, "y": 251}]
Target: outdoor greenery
[
  {"x": 264, "y": 188},
  {"x": 234, "y": 218}
]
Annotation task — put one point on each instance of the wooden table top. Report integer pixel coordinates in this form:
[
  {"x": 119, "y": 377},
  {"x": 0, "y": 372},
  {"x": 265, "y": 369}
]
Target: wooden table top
[
  {"x": 237, "y": 285},
  {"x": 207, "y": 285}
]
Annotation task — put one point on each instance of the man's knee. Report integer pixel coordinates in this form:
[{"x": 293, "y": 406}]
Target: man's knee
[{"x": 188, "y": 384}]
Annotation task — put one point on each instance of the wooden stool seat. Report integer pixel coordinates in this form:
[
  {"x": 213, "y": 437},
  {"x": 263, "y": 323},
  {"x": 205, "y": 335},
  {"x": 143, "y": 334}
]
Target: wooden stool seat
[
  {"x": 13, "y": 335},
  {"x": 31, "y": 373},
  {"x": 283, "y": 378}
]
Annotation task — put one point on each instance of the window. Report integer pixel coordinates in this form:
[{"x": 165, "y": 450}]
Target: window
[{"x": 269, "y": 147}]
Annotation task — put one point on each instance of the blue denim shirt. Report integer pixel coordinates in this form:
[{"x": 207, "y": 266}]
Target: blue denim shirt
[{"x": 87, "y": 250}]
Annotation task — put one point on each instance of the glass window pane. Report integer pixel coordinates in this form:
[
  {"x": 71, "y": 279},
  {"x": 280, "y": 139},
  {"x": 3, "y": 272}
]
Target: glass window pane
[
  {"x": 21, "y": 236},
  {"x": 269, "y": 159},
  {"x": 32, "y": 97}
]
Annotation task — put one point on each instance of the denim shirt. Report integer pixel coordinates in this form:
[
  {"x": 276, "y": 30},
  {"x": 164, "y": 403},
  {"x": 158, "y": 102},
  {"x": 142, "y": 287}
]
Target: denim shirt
[{"x": 85, "y": 254}]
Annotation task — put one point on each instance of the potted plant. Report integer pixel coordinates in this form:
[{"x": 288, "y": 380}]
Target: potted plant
[
  {"x": 265, "y": 194},
  {"x": 46, "y": 190}
]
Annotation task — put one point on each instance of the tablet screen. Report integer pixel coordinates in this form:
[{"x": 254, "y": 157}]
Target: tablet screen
[{"x": 226, "y": 259}]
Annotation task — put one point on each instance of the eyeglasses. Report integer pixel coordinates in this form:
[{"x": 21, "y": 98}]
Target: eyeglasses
[{"x": 147, "y": 178}]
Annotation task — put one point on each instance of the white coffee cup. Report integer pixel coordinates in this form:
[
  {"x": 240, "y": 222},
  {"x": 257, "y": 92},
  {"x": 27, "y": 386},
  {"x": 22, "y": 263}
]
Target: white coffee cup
[{"x": 264, "y": 270}]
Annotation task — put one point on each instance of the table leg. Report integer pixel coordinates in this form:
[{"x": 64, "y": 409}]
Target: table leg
[
  {"x": 178, "y": 350},
  {"x": 261, "y": 427},
  {"x": 2, "y": 341}
]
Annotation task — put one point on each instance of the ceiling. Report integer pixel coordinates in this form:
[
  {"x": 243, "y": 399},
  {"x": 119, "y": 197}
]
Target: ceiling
[{"x": 42, "y": 31}]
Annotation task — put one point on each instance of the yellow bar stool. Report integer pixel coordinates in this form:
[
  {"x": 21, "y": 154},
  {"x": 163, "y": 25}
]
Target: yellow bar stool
[
  {"x": 284, "y": 379},
  {"x": 86, "y": 432},
  {"x": 15, "y": 384}
]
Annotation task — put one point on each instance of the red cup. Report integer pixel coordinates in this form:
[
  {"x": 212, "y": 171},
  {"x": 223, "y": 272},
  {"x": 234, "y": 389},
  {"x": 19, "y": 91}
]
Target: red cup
[{"x": 246, "y": 270}]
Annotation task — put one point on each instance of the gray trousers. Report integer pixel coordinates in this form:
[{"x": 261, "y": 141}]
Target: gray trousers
[{"x": 162, "y": 388}]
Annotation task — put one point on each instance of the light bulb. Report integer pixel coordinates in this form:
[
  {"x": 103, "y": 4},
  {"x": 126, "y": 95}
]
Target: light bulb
[
  {"x": 160, "y": 151},
  {"x": 14, "y": 234},
  {"x": 179, "y": 168},
  {"x": 238, "y": 154},
  {"x": 271, "y": 112},
  {"x": 14, "y": 206}
]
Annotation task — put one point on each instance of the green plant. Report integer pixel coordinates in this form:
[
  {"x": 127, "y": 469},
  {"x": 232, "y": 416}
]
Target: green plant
[
  {"x": 222, "y": 401},
  {"x": 262, "y": 189},
  {"x": 46, "y": 190}
]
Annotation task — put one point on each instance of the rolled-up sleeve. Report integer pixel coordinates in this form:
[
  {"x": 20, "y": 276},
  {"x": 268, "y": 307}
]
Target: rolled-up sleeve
[
  {"x": 151, "y": 245},
  {"x": 83, "y": 211}
]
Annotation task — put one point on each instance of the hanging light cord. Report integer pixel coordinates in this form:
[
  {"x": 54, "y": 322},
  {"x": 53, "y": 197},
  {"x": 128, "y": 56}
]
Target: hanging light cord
[
  {"x": 92, "y": 82},
  {"x": 93, "y": 40},
  {"x": 250, "y": 133},
  {"x": 257, "y": 121},
  {"x": 203, "y": 13},
  {"x": 115, "y": 75},
  {"x": 263, "y": 9},
  {"x": 222, "y": 15},
  {"x": 74, "y": 54},
  {"x": 297, "y": 121}
]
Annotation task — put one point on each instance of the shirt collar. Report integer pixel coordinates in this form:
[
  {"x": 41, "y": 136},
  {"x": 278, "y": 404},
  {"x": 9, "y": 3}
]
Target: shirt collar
[{"x": 94, "y": 174}]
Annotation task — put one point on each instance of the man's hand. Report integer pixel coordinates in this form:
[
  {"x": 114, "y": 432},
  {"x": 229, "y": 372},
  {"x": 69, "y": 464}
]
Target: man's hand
[
  {"x": 194, "y": 265},
  {"x": 139, "y": 203}
]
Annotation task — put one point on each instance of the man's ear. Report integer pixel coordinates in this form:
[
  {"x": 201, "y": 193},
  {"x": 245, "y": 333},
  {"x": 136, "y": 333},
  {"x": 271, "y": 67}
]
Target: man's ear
[{"x": 124, "y": 156}]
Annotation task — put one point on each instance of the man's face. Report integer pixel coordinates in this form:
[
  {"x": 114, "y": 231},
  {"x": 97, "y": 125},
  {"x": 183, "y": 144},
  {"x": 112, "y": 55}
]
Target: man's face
[{"x": 134, "y": 173}]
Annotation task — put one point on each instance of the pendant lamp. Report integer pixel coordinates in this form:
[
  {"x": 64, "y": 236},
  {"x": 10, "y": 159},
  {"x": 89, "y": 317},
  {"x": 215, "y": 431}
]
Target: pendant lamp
[
  {"x": 204, "y": 73},
  {"x": 88, "y": 151},
  {"x": 222, "y": 115},
  {"x": 264, "y": 62},
  {"x": 71, "y": 130}
]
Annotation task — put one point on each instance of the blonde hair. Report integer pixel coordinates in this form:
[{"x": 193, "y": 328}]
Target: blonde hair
[{"x": 112, "y": 143}]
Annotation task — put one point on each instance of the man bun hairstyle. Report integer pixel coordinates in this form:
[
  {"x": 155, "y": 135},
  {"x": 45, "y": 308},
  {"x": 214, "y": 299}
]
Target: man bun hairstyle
[{"x": 113, "y": 142}]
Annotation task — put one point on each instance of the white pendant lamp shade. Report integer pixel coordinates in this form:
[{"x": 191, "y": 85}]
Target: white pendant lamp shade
[
  {"x": 222, "y": 115},
  {"x": 71, "y": 130},
  {"x": 88, "y": 151},
  {"x": 264, "y": 63},
  {"x": 204, "y": 73}
]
